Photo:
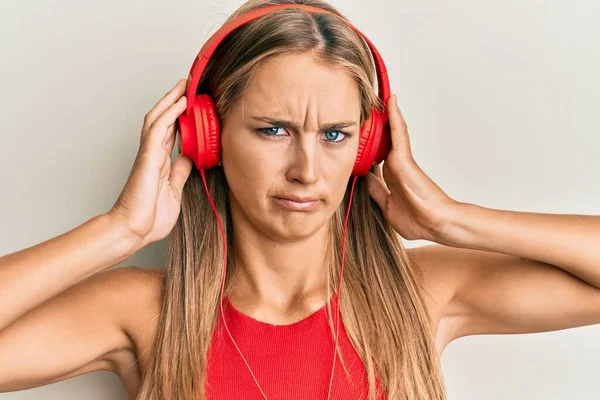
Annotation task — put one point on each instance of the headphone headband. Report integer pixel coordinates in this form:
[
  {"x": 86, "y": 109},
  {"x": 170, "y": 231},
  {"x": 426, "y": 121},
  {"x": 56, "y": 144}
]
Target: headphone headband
[{"x": 211, "y": 44}]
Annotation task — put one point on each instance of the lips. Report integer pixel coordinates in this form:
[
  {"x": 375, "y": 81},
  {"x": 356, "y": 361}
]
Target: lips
[
  {"x": 297, "y": 205},
  {"x": 298, "y": 199}
]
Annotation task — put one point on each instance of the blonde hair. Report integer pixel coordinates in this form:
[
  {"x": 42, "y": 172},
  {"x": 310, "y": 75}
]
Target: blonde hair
[{"x": 380, "y": 303}]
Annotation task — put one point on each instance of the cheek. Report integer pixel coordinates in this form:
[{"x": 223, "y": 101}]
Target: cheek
[
  {"x": 241, "y": 156},
  {"x": 340, "y": 190},
  {"x": 338, "y": 181},
  {"x": 251, "y": 170},
  {"x": 344, "y": 164},
  {"x": 248, "y": 173}
]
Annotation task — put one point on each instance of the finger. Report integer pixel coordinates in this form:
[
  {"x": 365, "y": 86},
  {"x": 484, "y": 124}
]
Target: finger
[
  {"x": 170, "y": 135},
  {"x": 377, "y": 170},
  {"x": 180, "y": 171},
  {"x": 377, "y": 190},
  {"x": 158, "y": 131},
  {"x": 398, "y": 127},
  {"x": 170, "y": 141},
  {"x": 163, "y": 104},
  {"x": 170, "y": 145}
]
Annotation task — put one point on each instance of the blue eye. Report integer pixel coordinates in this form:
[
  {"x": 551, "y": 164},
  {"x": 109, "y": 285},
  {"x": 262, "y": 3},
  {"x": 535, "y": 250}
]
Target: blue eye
[
  {"x": 336, "y": 134},
  {"x": 345, "y": 135}
]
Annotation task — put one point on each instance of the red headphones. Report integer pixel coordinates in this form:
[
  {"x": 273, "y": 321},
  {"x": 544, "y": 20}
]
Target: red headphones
[{"x": 199, "y": 123}]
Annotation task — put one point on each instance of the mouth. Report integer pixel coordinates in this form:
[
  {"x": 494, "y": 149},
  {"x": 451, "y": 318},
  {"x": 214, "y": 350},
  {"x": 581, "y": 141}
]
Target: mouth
[{"x": 296, "y": 205}]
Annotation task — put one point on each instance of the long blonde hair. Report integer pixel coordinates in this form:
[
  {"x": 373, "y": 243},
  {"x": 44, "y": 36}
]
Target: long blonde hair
[{"x": 380, "y": 303}]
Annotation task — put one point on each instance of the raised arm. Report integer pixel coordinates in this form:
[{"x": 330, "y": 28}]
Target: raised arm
[
  {"x": 518, "y": 272},
  {"x": 59, "y": 316},
  {"x": 31, "y": 276},
  {"x": 85, "y": 328},
  {"x": 490, "y": 271}
]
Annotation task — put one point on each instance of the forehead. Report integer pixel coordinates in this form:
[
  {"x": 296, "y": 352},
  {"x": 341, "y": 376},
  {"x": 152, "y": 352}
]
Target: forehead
[{"x": 292, "y": 84}]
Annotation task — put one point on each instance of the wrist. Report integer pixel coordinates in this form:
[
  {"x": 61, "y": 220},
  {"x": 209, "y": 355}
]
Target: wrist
[
  {"x": 129, "y": 241},
  {"x": 453, "y": 230}
]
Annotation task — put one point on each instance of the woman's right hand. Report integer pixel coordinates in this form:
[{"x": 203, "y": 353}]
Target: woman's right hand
[{"x": 150, "y": 202}]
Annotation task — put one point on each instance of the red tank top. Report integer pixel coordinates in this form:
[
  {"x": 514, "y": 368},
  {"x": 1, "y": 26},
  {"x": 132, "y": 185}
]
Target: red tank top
[{"x": 289, "y": 361}]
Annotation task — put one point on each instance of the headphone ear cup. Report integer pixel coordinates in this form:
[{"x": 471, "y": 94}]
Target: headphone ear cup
[
  {"x": 186, "y": 126},
  {"x": 370, "y": 135},
  {"x": 211, "y": 131},
  {"x": 201, "y": 133},
  {"x": 382, "y": 148}
]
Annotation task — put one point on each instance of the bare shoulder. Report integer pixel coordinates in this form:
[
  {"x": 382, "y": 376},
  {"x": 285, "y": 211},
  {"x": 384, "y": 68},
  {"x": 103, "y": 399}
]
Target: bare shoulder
[
  {"x": 97, "y": 324},
  {"x": 434, "y": 277},
  {"x": 140, "y": 299},
  {"x": 438, "y": 278},
  {"x": 143, "y": 309}
]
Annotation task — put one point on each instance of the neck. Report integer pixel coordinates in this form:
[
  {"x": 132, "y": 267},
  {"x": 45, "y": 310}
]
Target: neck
[{"x": 284, "y": 275}]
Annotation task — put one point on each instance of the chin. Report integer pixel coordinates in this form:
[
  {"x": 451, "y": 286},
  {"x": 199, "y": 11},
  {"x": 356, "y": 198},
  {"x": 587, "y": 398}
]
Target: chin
[{"x": 296, "y": 226}]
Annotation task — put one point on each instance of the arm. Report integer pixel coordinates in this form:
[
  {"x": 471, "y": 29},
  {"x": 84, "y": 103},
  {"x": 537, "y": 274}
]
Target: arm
[
  {"x": 33, "y": 275},
  {"x": 145, "y": 212},
  {"x": 60, "y": 317},
  {"x": 493, "y": 271},
  {"x": 516, "y": 272},
  {"x": 85, "y": 328}
]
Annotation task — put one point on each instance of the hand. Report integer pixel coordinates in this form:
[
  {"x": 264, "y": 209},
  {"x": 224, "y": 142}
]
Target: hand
[
  {"x": 410, "y": 201},
  {"x": 150, "y": 202}
]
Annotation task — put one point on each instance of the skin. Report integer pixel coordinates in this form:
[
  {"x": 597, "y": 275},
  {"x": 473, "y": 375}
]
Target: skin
[
  {"x": 79, "y": 320},
  {"x": 280, "y": 253}
]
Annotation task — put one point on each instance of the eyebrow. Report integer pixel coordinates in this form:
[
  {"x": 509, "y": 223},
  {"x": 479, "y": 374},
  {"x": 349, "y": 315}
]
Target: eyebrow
[{"x": 291, "y": 124}]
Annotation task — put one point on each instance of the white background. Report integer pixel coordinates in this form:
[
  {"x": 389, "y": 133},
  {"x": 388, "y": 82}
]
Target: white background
[{"x": 500, "y": 98}]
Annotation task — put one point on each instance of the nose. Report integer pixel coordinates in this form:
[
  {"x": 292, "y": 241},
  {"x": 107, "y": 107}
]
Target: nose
[{"x": 304, "y": 159}]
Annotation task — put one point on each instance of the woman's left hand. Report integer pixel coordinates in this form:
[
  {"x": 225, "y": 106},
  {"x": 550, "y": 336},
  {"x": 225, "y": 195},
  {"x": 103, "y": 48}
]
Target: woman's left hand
[{"x": 411, "y": 202}]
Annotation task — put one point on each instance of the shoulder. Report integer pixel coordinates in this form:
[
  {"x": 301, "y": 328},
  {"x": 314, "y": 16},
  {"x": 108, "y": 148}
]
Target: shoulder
[
  {"x": 142, "y": 300},
  {"x": 440, "y": 273},
  {"x": 131, "y": 298},
  {"x": 435, "y": 276},
  {"x": 140, "y": 290}
]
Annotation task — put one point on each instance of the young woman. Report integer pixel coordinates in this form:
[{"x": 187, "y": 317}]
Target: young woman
[{"x": 65, "y": 312}]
